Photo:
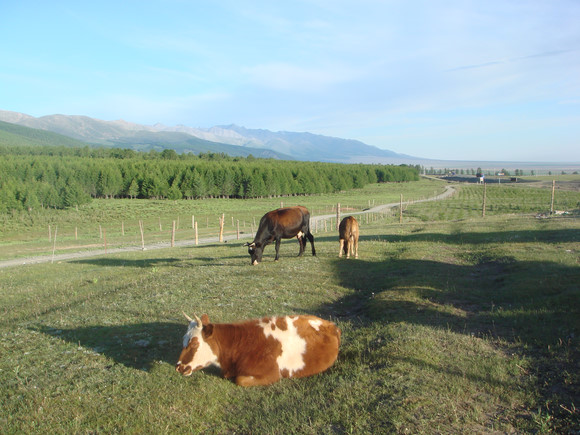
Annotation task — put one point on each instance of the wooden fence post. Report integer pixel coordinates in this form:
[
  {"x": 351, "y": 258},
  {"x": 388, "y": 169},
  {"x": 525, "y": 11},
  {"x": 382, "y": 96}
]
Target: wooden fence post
[
  {"x": 553, "y": 194},
  {"x": 173, "y": 235},
  {"x": 142, "y": 235},
  {"x": 196, "y": 239},
  {"x": 337, "y": 215},
  {"x": 401, "y": 209},
  {"x": 54, "y": 245},
  {"x": 221, "y": 238},
  {"x": 484, "y": 200}
]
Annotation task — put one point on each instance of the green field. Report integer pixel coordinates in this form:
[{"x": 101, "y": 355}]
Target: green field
[
  {"x": 26, "y": 234},
  {"x": 451, "y": 322}
]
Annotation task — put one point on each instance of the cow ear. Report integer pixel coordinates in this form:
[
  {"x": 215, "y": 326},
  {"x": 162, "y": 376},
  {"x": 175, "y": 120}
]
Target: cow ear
[
  {"x": 207, "y": 331},
  {"x": 204, "y": 319}
]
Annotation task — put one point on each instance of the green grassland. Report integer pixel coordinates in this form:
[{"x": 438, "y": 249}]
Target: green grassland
[
  {"x": 452, "y": 323},
  {"x": 27, "y": 233},
  {"x": 116, "y": 222}
]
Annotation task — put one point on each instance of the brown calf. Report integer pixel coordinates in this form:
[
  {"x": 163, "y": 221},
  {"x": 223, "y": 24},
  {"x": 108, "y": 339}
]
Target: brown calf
[
  {"x": 261, "y": 351},
  {"x": 348, "y": 237}
]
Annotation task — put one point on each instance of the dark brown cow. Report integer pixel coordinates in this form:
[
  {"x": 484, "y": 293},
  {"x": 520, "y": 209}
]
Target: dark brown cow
[
  {"x": 348, "y": 237},
  {"x": 261, "y": 351},
  {"x": 282, "y": 223}
]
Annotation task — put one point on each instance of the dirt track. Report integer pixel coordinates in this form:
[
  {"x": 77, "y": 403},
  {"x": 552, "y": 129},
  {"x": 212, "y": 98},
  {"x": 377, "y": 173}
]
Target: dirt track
[{"x": 449, "y": 190}]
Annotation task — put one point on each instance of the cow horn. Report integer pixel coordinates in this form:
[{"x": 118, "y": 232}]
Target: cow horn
[
  {"x": 189, "y": 319},
  {"x": 197, "y": 320}
]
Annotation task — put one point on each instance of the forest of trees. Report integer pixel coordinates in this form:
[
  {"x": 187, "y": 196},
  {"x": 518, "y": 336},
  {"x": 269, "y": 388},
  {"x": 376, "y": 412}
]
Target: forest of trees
[{"x": 61, "y": 177}]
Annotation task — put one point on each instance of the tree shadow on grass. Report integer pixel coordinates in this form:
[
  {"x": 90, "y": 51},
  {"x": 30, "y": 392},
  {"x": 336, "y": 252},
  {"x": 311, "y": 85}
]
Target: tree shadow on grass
[
  {"x": 137, "y": 345},
  {"x": 460, "y": 238},
  {"x": 532, "y": 305},
  {"x": 532, "y": 301}
]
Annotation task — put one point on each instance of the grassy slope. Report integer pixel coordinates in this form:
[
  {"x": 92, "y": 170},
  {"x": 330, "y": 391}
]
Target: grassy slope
[
  {"x": 16, "y": 135},
  {"x": 447, "y": 326}
]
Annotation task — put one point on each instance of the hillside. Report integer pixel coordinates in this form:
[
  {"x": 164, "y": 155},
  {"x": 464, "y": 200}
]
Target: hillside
[
  {"x": 83, "y": 131},
  {"x": 230, "y": 139},
  {"x": 16, "y": 135}
]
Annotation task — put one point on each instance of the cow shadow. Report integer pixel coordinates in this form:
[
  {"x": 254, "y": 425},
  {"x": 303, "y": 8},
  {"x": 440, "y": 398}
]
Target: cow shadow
[
  {"x": 137, "y": 345},
  {"x": 123, "y": 262}
]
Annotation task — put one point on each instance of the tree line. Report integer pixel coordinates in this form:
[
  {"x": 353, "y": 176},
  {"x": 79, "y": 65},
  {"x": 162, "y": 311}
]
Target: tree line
[
  {"x": 60, "y": 177},
  {"x": 489, "y": 172}
]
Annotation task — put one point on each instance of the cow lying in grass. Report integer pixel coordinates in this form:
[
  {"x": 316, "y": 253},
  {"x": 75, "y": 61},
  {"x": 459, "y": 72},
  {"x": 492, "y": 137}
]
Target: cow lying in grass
[
  {"x": 261, "y": 351},
  {"x": 348, "y": 237}
]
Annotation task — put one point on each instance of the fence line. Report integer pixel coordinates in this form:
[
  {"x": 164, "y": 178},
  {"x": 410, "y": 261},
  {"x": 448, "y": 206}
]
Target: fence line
[{"x": 176, "y": 237}]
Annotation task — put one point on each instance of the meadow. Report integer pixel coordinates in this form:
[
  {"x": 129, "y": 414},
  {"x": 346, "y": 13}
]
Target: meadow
[{"x": 451, "y": 322}]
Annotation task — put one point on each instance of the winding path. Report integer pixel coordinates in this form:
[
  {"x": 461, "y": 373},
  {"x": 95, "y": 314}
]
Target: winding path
[{"x": 449, "y": 190}]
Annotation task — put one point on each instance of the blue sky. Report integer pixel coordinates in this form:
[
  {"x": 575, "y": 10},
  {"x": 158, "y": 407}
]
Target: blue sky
[{"x": 459, "y": 80}]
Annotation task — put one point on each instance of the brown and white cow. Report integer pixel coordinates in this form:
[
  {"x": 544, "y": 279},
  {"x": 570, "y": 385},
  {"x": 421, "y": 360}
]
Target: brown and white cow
[
  {"x": 348, "y": 236},
  {"x": 260, "y": 351},
  {"x": 282, "y": 223}
]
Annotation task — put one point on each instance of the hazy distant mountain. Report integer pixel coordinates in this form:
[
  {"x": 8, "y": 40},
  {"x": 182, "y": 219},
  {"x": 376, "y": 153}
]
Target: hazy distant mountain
[
  {"x": 231, "y": 139},
  {"x": 82, "y": 130},
  {"x": 308, "y": 146}
]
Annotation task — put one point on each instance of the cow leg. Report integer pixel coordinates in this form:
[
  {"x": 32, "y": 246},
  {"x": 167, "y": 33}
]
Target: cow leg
[
  {"x": 341, "y": 248},
  {"x": 251, "y": 381},
  {"x": 311, "y": 238},
  {"x": 355, "y": 248},
  {"x": 302, "y": 242},
  {"x": 348, "y": 247},
  {"x": 277, "y": 249}
]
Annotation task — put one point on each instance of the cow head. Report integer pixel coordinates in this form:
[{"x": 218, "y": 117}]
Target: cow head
[
  {"x": 255, "y": 249},
  {"x": 196, "y": 353}
]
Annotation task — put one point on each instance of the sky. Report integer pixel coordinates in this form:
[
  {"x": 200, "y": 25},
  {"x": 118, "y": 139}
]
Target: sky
[{"x": 453, "y": 80}]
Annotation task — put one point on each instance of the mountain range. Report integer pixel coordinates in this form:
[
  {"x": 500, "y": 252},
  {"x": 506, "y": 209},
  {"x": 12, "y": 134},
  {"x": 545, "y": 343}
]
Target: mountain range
[{"x": 231, "y": 139}]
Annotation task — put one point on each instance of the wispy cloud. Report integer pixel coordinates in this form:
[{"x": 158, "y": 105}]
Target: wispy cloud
[
  {"x": 513, "y": 60},
  {"x": 481, "y": 65},
  {"x": 291, "y": 77}
]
